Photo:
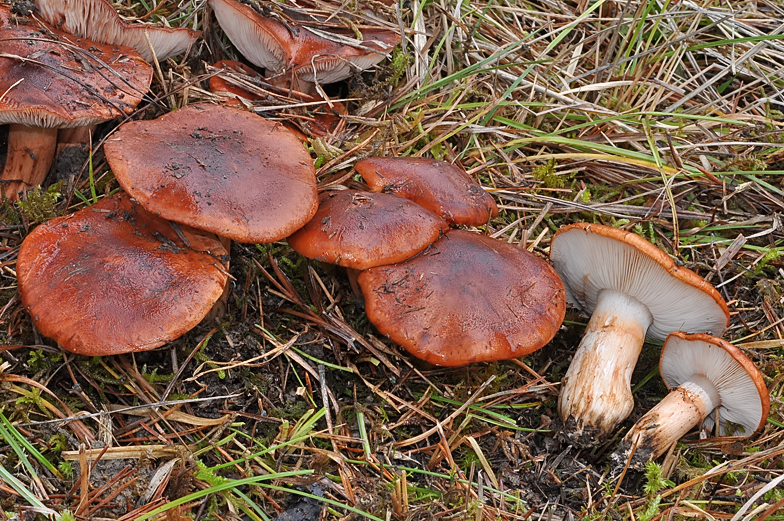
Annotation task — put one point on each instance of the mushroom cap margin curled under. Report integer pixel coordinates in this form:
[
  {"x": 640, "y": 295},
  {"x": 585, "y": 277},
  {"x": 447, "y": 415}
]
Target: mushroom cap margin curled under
[
  {"x": 592, "y": 257},
  {"x": 113, "y": 278},
  {"x": 468, "y": 298}
]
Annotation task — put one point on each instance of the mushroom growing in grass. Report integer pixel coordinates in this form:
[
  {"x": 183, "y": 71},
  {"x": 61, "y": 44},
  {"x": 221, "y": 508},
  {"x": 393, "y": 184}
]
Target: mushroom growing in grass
[
  {"x": 468, "y": 298},
  {"x": 712, "y": 383},
  {"x": 98, "y": 21},
  {"x": 219, "y": 169},
  {"x": 303, "y": 53},
  {"x": 359, "y": 230},
  {"x": 113, "y": 278},
  {"x": 50, "y": 80},
  {"x": 630, "y": 288},
  {"x": 439, "y": 186}
]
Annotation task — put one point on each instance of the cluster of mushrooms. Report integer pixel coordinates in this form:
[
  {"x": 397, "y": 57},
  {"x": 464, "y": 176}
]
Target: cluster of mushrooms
[{"x": 201, "y": 176}]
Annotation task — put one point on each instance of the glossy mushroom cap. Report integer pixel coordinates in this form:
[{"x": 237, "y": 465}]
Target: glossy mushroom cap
[
  {"x": 58, "y": 81},
  {"x": 468, "y": 298},
  {"x": 630, "y": 288},
  {"x": 303, "y": 51},
  {"x": 219, "y": 169},
  {"x": 360, "y": 230},
  {"x": 708, "y": 378},
  {"x": 441, "y": 187},
  {"x": 97, "y": 20},
  {"x": 113, "y": 278},
  {"x": 592, "y": 257}
]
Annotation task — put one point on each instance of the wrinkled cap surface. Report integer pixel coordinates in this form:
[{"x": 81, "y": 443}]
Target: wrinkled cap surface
[
  {"x": 113, "y": 278},
  {"x": 593, "y": 257},
  {"x": 267, "y": 42},
  {"x": 468, "y": 298},
  {"x": 219, "y": 169},
  {"x": 360, "y": 230},
  {"x": 745, "y": 401},
  {"x": 441, "y": 187},
  {"x": 98, "y": 20},
  {"x": 64, "y": 82}
]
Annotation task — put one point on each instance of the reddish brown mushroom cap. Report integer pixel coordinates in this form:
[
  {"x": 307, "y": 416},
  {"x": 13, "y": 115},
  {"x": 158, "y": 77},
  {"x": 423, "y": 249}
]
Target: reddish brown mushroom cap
[
  {"x": 50, "y": 80},
  {"x": 113, "y": 278},
  {"x": 360, "y": 230},
  {"x": 66, "y": 81},
  {"x": 219, "y": 169},
  {"x": 97, "y": 20},
  {"x": 468, "y": 298},
  {"x": 268, "y": 43},
  {"x": 439, "y": 186}
]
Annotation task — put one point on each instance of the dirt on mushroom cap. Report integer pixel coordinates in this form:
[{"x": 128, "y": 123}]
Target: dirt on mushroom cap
[
  {"x": 468, "y": 298},
  {"x": 218, "y": 169},
  {"x": 360, "y": 230},
  {"x": 113, "y": 278}
]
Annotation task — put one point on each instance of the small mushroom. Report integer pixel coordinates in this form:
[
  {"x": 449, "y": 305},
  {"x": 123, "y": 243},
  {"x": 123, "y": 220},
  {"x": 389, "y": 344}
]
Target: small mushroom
[
  {"x": 359, "y": 230},
  {"x": 630, "y": 288},
  {"x": 468, "y": 298},
  {"x": 710, "y": 381},
  {"x": 219, "y": 169},
  {"x": 50, "y": 80},
  {"x": 98, "y": 21},
  {"x": 441, "y": 187},
  {"x": 113, "y": 278},
  {"x": 305, "y": 53}
]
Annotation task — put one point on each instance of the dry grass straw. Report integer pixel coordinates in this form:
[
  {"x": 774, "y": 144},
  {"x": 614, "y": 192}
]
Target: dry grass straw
[{"x": 664, "y": 118}]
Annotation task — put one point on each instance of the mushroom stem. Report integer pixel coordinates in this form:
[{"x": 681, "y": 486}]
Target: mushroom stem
[
  {"x": 673, "y": 417},
  {"x": 75, "y": 136},
  {"x": 30, "y": 154},
  {"x": 596, "y": 390}
]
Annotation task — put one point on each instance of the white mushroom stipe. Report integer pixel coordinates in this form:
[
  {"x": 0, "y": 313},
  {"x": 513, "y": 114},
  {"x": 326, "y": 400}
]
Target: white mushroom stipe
[
  {"x": 592, "y": 259},
  {"x": 706, "y": 374},
  {"x": 596, "y": 390}
]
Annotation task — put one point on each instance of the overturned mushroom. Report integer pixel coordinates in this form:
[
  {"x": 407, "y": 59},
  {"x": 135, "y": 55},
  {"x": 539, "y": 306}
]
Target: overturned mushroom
[
  {"x": 468, "y": 298},
  {"x": 630, "y": 288},
  {"x": 710, "y": 381},
  {"x": 113, "y": 278},
  {"x": 98, "y": 21},
  {"x": 50, "y": 80},
  {"x": 306, "y": 54}
]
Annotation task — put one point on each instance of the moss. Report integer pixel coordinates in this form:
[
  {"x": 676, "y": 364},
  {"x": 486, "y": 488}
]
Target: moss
[{"x": 40, "y": 205}]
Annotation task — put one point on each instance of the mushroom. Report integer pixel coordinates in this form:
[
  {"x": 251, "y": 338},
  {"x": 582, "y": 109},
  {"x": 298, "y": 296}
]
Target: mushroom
[
  {"x": 239, "y": 86},
  {"x": 439, "y": 186},
  {"x": 710, "y": 381},
  {"x": 305, "y": 53},
  {"x": 468, "y": 298},
  {"x": 113, "y": 278},
  {"x": 51, "y": 80},
  {"x": 219, "y": 169},
  {"x": 630, "y": 288},
  {"x": 360, "y": 230},
  {"x": 98, "y": 21}
]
